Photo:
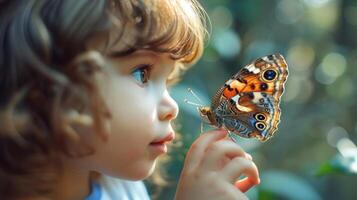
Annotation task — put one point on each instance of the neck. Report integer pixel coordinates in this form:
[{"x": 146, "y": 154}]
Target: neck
[{"x": 74, "y": 183}]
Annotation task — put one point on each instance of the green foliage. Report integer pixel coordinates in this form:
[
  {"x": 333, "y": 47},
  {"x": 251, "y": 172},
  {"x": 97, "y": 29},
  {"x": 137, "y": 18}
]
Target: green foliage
[{"x": 339, "y": 165}]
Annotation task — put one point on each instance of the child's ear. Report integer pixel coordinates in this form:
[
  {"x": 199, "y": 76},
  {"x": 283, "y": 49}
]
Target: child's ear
[
  {"x": 83, "y": 123},
  {"x": 69, "y": 132},
  {"x": 80, "y": 134}
]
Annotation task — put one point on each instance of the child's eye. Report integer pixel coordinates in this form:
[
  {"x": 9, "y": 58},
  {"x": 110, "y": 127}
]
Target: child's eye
[{"x": 142, "y": 73}]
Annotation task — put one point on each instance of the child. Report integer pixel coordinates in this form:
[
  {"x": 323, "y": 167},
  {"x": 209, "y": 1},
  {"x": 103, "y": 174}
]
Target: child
[{"x": 83, "y": 98}]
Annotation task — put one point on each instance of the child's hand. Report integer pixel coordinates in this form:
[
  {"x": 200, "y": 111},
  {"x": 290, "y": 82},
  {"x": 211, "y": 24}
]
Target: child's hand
[{"x": 212, "y": 168}]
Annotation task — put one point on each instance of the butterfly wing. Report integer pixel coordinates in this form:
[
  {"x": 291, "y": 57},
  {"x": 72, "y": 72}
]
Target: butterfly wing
[{"x": 248, "y": 103}]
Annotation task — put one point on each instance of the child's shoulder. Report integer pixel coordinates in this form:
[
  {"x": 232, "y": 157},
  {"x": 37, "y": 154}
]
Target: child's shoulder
[{"x": 114, "y": 188}]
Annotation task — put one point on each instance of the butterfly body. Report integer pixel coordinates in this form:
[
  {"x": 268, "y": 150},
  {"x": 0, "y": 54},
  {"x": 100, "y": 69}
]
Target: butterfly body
[{"x": 248, "y": 103}]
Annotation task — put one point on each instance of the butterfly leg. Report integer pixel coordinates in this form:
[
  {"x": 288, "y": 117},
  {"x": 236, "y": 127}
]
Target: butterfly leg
[{"x": 232, "y": 136}]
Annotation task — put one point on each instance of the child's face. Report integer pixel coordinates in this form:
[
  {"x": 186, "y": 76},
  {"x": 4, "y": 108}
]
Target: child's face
[{"x": 134, "y": 89}]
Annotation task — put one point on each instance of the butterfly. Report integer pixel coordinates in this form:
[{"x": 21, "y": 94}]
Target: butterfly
[{"x": 247, "y": 105}]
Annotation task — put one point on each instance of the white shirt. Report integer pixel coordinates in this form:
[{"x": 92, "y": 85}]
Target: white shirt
[{"x": 109, "y": 188}]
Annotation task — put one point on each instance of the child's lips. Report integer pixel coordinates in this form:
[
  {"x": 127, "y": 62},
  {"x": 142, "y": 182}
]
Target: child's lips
[
  {"x": 168, "y": 138},
  {"x": 159, "y": 145}
]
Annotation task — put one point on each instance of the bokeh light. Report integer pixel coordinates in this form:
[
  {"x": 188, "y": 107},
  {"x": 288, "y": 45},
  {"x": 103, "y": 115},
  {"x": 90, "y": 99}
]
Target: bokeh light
[
  {"x": 289, "y": 11},
  {"x": 332, "y": 66}
]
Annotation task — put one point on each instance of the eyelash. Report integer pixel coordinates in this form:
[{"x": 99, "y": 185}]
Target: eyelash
[{"x": 142, "y": 73}]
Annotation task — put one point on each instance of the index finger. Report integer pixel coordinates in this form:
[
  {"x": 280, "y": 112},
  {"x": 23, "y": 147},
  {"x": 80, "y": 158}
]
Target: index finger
[
  {"x": 242, "y": 166},
  {"x": 197, "y": 149}
]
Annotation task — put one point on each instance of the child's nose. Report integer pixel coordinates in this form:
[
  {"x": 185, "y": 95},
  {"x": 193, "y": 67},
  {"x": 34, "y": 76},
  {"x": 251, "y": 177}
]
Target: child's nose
[{"x": 168, "y": 108}]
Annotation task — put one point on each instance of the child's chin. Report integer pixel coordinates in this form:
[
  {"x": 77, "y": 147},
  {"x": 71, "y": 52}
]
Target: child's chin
[{"x": 142, "y": 173}]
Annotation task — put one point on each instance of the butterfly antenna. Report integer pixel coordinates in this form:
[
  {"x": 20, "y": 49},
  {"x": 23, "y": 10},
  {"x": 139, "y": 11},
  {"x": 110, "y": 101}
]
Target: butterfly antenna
[
  {"x": 195, "y": 104},
  {"x": 192, "y": 103},
  {"x": 194, "y": 94}
]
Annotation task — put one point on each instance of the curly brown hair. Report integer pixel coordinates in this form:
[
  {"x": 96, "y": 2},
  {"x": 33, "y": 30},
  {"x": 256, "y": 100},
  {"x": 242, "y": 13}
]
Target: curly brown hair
[{"x": 47, "y": 71}]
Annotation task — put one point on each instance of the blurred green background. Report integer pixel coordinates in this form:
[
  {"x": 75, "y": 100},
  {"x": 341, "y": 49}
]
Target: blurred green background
[{"x": 313, "y": 154}]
